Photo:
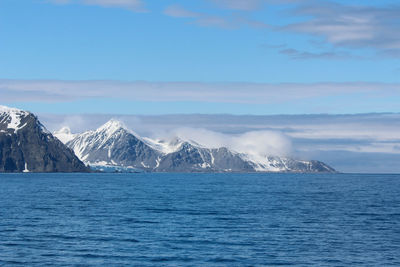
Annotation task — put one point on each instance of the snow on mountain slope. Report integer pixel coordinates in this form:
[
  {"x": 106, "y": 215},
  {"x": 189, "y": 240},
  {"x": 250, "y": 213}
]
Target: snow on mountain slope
[
  {"x": 113, "y": 145},
  {"x": 83, "y": 143},
  {"x": 285, "y": 164},
  {"x": 12, "y": 117},
  {"x": 263, "y": 163},
  {"x": 168, "y": 146}
]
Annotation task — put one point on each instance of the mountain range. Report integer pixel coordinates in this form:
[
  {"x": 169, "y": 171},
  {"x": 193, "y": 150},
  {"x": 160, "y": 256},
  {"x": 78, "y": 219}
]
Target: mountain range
[
  {"x": 113, "y": 145},
  {"x": 27, "y": 146}
]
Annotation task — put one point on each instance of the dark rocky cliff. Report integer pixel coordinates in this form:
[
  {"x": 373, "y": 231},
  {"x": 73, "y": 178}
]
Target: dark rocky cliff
[{"x": 26, "y": 146}]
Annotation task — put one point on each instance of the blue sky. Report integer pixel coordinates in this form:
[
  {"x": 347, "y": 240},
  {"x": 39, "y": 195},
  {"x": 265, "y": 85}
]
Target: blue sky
[
  {"x": 67, "y": 59},
  {"x": 284, "y": 46}
]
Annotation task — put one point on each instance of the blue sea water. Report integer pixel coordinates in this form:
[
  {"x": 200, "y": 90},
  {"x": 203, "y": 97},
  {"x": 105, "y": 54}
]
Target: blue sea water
[{"x": 199, "y": 219}]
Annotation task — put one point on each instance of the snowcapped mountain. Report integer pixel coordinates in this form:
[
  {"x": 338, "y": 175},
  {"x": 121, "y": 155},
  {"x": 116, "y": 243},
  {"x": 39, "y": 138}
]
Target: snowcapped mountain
[
  {"x": 192, "y": 157},
  {"x": 113, "y": 145},
  {"x": 26, "y": 146},
  {"x": 12, "y": 119}
]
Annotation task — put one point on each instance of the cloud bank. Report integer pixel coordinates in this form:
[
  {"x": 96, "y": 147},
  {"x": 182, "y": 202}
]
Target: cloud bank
[
  {"x": 249, "y": 93},
  {"x": 258, "y": 143}
]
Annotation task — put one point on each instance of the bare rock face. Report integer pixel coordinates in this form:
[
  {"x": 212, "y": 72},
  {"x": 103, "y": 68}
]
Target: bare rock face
[
  {"x": 26, "y": 146},
  {"x": 192, "y": 158}
]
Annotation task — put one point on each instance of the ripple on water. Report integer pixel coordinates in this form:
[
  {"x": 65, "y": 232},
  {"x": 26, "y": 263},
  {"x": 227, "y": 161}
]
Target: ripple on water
[{"x": 199, "y": 220}]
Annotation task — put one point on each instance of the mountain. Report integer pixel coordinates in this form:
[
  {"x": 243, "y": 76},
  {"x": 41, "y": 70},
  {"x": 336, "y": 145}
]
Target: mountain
[
  {"x": 26, "y": 146},
  {"x": 284, "y": 164},
  {"x": 113, "y": 145},
  {"x": 189, "y": 156}
]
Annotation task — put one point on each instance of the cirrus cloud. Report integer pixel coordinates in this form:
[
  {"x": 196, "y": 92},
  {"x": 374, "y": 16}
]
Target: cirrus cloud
[
  {"x": 133, "y": 5},
  {"x": 353, "y": 26},
  {"x": 217, "y": 92}
]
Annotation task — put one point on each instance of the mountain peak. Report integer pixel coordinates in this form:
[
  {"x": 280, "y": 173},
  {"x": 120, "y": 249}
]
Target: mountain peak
[
  {"x": 12, "y": 117},
  {"x": 5, "y": 109},
  {"x": 113, "y": 144},
  {"x": 111, "y": 126}
]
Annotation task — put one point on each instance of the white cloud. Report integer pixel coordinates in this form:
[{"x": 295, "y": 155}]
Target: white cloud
[
  {"x": 133, "y": 5},
  {"x": 180, "y": 12},
  {"x": 298, "y": 54},
  {"x": 212, "y": 20},
  {"x": 245, "y": 5},
  {"x": 199, "y": 18},
  {"x": 342, "y": 25},
  {"x": 361, "y": 26},
  {"x": 246, "y": 93},
  {"x": 259, "y": 143},
  {"x": 61, "y": 2}
]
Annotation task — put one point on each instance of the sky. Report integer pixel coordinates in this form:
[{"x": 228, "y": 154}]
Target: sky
[
  {"x": 85, "y": 58},
  {"x": 201, "y": 56}
]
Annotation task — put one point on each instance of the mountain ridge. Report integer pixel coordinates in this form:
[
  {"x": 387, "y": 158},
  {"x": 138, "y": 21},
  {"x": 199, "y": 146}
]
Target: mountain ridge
[{"x": 112, "y": 144}]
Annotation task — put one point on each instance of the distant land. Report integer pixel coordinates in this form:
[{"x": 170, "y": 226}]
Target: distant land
[{"x": 27, "y": 146}]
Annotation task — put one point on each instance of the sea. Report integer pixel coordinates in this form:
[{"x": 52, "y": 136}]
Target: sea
[{"x": 168, "y": 219}]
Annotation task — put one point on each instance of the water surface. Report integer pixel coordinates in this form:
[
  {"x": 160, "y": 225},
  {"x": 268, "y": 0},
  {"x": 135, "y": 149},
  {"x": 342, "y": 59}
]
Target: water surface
[{"x": 199, "y": 219}]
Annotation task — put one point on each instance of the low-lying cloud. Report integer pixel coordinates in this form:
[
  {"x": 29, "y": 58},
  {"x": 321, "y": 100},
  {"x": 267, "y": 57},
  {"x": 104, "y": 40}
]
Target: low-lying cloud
[{"x": 259, "y": 143}]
